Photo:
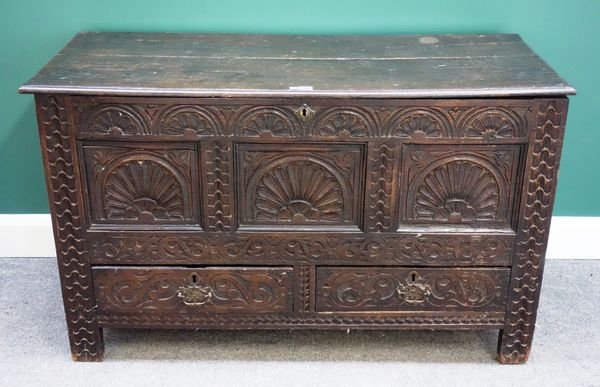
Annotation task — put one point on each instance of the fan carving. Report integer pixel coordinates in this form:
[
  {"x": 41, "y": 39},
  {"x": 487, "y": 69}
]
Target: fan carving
[
  {"x": 299, "y": 192},
  {"x": 419, "y": 122},
  {"x": 266, "y": 123},
  {"x": 459, "y": 191},
  {"x": 116, "y": 120},
  {"x": 347, "y": 123},
  {"x": 143, "y": 190},
  {"x": 191, "y": 121},
  {"x": 492, "y": 123}
]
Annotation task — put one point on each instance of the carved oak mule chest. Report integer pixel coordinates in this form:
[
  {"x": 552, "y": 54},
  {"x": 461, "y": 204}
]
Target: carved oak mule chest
[{"x": 235, "y": 181}]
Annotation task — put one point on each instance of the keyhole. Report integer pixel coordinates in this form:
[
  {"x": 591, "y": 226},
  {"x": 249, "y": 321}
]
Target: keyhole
[
  {"x": 413, "y": 277},
  {"x": 304, "y": 112},
  {"x": 194, "y": 278}
]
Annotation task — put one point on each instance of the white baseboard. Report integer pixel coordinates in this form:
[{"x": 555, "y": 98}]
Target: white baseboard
[{"x": 571, "y": 237}]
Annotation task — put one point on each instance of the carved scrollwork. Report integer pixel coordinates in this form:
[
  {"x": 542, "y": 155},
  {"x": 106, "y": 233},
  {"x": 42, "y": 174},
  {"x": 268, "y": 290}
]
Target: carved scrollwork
[
  {"x": 267, "y": 122},
  {"x": 419, "y": 122},
  {"x": 344, "y": 123},
  {"x": 356, "y": 289},
  {"x": 223, "y": 290},
  {"x": 440, "y": 250}
]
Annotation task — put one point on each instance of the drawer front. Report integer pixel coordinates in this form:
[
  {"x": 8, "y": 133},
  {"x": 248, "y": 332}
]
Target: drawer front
[
  {"x": 344, "y": 289},
  {"x": 299, "y": 186},
  {"x": 185, "y": 290}
]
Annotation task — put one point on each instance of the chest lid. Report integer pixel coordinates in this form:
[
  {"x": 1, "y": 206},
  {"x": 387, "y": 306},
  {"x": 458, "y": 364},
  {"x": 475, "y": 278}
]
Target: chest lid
[{"x": 205, "y": 65}]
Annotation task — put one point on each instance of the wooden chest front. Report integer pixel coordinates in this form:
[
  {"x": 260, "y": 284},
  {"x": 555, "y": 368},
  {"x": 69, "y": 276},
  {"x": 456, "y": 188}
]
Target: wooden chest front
[{"x": 325, "y": 211}]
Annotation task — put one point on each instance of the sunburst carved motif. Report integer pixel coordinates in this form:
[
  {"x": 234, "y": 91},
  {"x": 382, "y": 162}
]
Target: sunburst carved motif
[
  {"x": 343, "y": 124},
  {"x": 266, "y": 122},
  {"x": 419, "y": 122},
  {"x": 116, "y": 120},
  {"x": 459, "y": 191},
  {"x": 189, "y": 121},
  {"x": 143, "y": 190},
  {"x": 299, "y": 192},
  {"x": 492, "y": 124}
]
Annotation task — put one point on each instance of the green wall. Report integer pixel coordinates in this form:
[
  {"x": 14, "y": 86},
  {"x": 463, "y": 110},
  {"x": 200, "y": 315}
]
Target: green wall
[{"x": 564, "y": 33}]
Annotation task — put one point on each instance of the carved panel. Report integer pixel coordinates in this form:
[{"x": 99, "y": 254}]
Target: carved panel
[
  {"x": 299, "y": 185},
  {"x": 64, "y": 190},
  {"x": 219, "y": 183},
  {"x": 389, "y": 289},
  {"x": 267, "y": 121},
  {"x": 380, "y": 199},
  {"x": 536, "y": 210},
  {"x": 168, "y": 290},
  {"x": 142, "y": 186},
  {"x": 400, "y": 248},
  {"x": 468, "y": 185}
]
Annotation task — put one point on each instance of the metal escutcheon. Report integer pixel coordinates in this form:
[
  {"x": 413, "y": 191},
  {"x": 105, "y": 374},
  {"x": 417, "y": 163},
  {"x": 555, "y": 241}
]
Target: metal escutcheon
[
  {"x": 194, "y": 293},
  {"x": 413, "y": 291}
]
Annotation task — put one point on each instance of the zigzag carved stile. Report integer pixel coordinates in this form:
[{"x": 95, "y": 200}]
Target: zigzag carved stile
[
  {"x": 539, "y": 186},
  {"x": 64, "y": 192},
  {"x": 381, "y": 175},
  {"x": 218, "y": 178}
]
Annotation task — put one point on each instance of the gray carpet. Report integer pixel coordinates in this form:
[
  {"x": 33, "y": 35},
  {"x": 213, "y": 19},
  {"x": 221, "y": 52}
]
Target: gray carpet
[{"x": 34, "y": 349}]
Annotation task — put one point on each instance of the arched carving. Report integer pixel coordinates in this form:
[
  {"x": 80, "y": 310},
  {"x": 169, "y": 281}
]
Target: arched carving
[
  {"x": 418, "y": 122},
  {"x": 116, "y": 120},
  {"x": 344, "y": 123},
  {"x": 267, "y": 122},
  {"x": 491, "y": 122},
  {"x": 190, "y": 121}
]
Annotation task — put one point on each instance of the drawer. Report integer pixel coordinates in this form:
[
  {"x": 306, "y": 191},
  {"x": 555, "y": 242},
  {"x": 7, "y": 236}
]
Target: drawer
[
  {"x": 187, "y": 290},
  {"x": 353, "y": 289}
]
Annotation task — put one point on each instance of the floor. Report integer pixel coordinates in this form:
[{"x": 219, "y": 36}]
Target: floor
[{"x": 34, "y": 349}]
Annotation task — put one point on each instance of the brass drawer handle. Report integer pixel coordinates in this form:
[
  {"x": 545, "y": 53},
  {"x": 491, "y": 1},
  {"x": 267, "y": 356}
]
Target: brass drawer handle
[
  {"x": 413, "y": 291},
  {"x": 195, "y": 294}
]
